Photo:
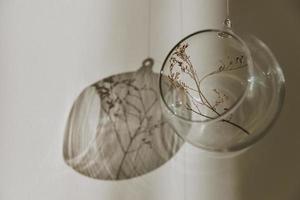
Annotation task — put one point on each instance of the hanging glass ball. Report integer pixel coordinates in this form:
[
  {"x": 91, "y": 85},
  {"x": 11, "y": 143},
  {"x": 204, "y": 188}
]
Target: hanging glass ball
[{"x": 227, "y": 90}]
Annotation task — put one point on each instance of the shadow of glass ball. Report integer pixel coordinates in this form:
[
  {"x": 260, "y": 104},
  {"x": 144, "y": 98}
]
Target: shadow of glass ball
[{"x": 116, "y": 129}]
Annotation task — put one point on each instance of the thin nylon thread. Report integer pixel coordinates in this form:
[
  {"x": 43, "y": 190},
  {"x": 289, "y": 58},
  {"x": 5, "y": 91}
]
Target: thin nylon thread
[
  {"x": 149, "y": 29},
  {"x": 227, "y": 8}
]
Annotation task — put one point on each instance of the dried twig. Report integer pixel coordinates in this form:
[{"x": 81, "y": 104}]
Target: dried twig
[{"x": 180, "y": 63}]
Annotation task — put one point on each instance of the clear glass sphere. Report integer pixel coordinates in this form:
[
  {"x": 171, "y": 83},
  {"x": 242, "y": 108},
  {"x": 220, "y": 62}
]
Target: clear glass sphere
[{"x": 221, "y": 91}]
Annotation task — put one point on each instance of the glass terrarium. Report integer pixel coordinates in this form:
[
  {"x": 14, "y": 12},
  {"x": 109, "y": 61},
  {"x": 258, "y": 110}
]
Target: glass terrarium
[{"x": 221, "y": 91}]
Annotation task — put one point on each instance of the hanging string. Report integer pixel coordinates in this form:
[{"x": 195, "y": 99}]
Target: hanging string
[
  {"x": 227, "y": 21},
  {"x": 149, "y": 29},
  {"x": 181, "y": 18},
  {"x": 227, "y": 8}
]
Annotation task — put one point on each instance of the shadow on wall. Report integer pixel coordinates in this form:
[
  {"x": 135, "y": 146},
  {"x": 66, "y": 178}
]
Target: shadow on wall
[{"x": 116, "y": 129}]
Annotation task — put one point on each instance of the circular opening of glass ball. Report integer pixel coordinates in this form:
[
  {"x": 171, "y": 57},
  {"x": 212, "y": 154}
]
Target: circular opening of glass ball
[{"x": 205, "y": 76}]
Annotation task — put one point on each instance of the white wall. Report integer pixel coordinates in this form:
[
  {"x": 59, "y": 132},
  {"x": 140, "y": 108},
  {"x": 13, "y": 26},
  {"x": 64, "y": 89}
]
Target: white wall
[{"x": 51, "y": 49}]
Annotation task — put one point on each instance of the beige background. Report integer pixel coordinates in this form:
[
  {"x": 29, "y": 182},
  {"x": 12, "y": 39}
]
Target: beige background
[
  {"x": 51, "y": 49},
  {"x": 272, "y": 169}
]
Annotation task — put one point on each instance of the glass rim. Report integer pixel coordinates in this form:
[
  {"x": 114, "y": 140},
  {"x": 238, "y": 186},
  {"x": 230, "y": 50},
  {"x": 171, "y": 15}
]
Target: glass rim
[{"x": 236, "y": 104}]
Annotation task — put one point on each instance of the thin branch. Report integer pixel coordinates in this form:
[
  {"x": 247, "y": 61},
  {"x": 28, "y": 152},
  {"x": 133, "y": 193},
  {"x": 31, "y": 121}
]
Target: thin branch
[
  {"x": 182, "y": 60},
  {"x": 236, "y": 125}
]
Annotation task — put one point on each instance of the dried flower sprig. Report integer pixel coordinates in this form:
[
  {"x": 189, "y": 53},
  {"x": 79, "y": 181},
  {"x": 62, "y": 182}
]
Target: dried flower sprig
[{"x": 180, "y": 64}]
